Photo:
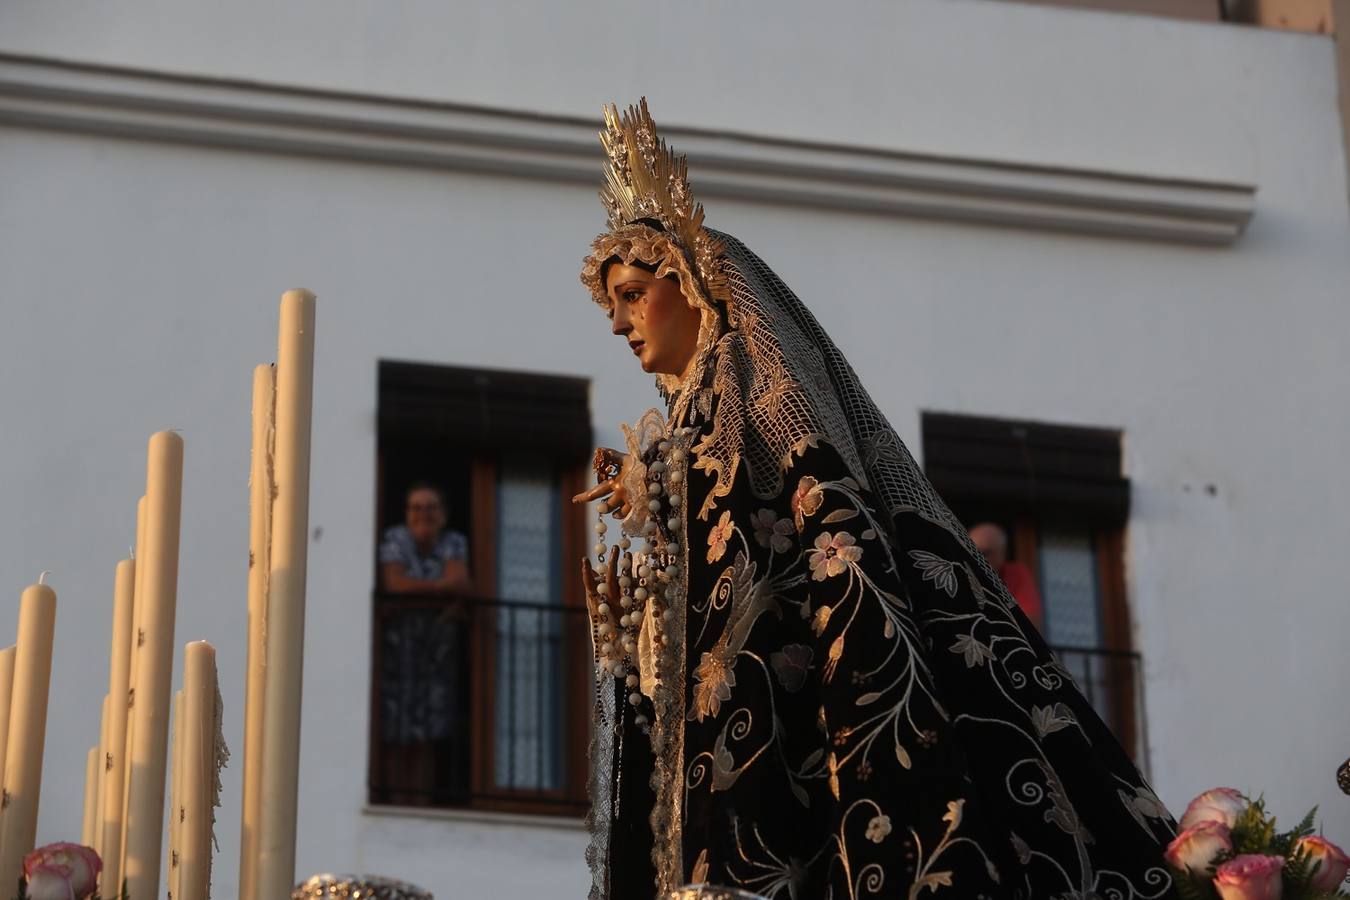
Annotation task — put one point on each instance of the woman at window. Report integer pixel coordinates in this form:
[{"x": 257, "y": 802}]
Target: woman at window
[{"x": 810, "y": 683}]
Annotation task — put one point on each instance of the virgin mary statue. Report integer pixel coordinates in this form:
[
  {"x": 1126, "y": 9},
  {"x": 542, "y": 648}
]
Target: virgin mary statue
[{"x": 810, "y": 684}]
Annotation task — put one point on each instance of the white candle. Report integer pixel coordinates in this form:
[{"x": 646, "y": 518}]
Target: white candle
[
  {"x": 90, "y": 797},
  {"x": 176, "y": 800},
  {"x": 259, "y": 562},
  {"x": 100, "y": 775},
  {"x": 119, "y": 686},
  {"x": 286, "y": 597},
  {"x": 155, "y": 607},
  {"x": 199, "y": 771},
  {"x": 6, "y": 694},
  {"x": 27, "y": 729}
]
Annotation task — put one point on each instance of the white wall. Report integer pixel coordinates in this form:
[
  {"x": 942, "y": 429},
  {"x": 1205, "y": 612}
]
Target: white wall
[{"x": 138, "y": 285}]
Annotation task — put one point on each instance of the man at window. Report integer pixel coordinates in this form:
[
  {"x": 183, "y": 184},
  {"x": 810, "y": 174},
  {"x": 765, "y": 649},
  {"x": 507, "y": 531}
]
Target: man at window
[
  {"x": 422, "y": 556},
  {"x": 992, "y": 541}
]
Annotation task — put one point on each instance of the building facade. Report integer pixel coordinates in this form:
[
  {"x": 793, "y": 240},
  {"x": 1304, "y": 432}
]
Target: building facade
[{"x": 1033, "y": 224}]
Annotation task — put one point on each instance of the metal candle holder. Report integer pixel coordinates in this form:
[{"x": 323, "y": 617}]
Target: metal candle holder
[{"x": 357, "y": 887}]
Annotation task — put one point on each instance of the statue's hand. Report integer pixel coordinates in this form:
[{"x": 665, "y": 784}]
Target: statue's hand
[
  {"x": 599, "y": 595},
  {"x": 612, "y": 468}
]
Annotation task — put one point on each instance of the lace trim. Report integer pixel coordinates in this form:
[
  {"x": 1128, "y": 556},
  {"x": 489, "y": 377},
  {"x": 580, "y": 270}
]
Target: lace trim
[{"x": 600, "y": 817}]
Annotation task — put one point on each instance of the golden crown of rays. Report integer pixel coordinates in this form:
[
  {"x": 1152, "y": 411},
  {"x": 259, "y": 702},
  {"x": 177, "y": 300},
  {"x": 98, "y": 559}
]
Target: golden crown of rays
[{"x": 645, "y": 179}]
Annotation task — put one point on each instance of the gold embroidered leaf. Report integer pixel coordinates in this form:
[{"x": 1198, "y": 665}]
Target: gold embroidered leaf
[
  {"x": 888, "y": 630},
  {"x": 970, "y": 648},
  {"x": 1048, "y": 720},
  {"x": 725, "y": 772},
  {"x": 811, "y": 761},
  {"x": 932, "y": 881},
  {"x": 800, "y": 793},
  {"x": 868, "y": 534},
  {"x": 832, "y": 659},
  {"x": 868, "y": 698},
  {"x": 840, "y": 515},
  {"x": 902, "y": 755},
  {"x": 700, "y": 873}
]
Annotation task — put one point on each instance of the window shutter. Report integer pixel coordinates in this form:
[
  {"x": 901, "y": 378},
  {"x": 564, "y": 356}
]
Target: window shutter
[
  {"x": 486, "y": 410},
  {"x": 1030, "y": 466}
]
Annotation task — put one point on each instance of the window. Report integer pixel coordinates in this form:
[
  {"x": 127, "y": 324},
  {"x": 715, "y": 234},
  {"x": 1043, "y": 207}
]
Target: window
[
  {"x": 481, "y": 680},
  {"x": 1059, "y": 496},
  {"x": 1316, "y": 16},
  {"x": 1202, "y": 10}
]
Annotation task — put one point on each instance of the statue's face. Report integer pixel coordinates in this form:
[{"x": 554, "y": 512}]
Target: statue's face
[{"x": 653, "y": 316}]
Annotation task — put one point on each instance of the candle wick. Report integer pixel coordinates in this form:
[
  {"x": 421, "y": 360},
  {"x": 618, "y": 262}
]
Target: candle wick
[{"x": 42, "y": 578}]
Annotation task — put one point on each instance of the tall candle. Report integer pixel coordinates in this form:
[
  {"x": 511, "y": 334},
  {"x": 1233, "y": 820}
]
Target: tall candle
[
  {"x": 156, "y": 606},
  {"x": 6, "y": 694},
  {"x": 199, "y": 771},
  {"x": 115, "y": 750},
  {"x": 90, "y": 797},
  {"x": 137, "y": 636},
  {"x": 27, "y": 729},
  {"x": 96, "y": 839},
  {"x": 286, "y": 597},
  {"x": 259, "y": 562},
  {"x": 176, "y": 800}
]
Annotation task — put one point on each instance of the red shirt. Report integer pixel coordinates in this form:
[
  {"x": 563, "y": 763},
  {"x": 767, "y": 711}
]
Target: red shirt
[{"x": 1022, "y": 586}]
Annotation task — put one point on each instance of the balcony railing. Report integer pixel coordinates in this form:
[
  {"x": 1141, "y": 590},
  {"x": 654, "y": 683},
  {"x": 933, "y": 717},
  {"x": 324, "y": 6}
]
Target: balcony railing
[
  {"x": 485, "y": 703},
  {"x": 481, "y": 703}
]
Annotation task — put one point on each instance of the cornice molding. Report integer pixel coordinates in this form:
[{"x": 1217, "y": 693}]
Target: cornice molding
[{"x": 139, "y": 105}]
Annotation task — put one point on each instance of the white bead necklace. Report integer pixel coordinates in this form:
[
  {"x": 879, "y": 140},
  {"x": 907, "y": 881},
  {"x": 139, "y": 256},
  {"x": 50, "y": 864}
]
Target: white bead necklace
[{"x": 649, "y": 575}]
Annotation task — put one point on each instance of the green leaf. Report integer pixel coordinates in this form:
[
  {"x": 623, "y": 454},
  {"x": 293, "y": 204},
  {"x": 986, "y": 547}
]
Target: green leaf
[
  {"x": 1254, "y": 831},
  {"x": 1191, "y": 887},
  {"x": 1296, "y": 871},
  {"x": 1306, "y": 827}
]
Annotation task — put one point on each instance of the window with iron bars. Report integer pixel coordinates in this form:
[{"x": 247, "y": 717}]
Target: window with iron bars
[
  {"x": 481, "y": 692},
  {"x": 1059, "y": 495}
]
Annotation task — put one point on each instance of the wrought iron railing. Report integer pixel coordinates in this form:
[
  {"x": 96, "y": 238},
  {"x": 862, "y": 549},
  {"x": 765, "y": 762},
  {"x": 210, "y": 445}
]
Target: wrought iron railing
[
  {"x": 479, "y": 703},
  {"x": 485, "y": 703}
]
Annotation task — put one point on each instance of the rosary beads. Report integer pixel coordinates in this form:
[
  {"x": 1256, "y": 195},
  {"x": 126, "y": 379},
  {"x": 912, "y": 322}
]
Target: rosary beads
[{"x": 648, "y": 578}]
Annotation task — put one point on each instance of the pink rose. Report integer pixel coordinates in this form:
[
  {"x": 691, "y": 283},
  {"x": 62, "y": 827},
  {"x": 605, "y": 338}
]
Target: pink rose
[
  {"x": 49, "y": 882},
  {"x": 47, "y": 867},
  {"x": 1334, "y": 862},
  {"x": 1219, "y": 805},
  {"x": 1250, "y": 877},
  {"x": 1196, "y": 847}
]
